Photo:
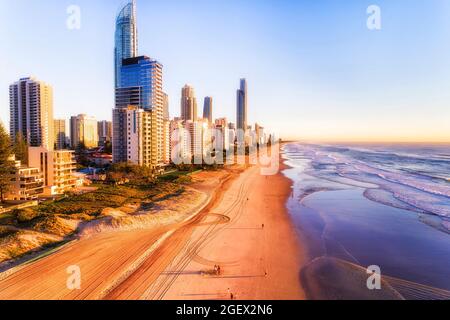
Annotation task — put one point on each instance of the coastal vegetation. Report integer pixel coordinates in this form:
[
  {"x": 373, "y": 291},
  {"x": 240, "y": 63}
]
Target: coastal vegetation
[
  {"x": 6, "y": 165},
  {"x": 53, "y": 221}
]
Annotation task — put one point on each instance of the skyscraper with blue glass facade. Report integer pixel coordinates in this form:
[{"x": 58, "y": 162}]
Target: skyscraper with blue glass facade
[
  {"x": 138, "y": 116},
  {"x": 208, "y": 109},
  {"x": 126, "y": 40},
  {"x": 140, "y": 84},
  {"x": 140, "y": 87},
  {"x": 241, "y": 106}
]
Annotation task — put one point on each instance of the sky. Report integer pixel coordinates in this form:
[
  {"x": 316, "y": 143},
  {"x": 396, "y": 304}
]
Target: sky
[{"x": 315, "y": 71}]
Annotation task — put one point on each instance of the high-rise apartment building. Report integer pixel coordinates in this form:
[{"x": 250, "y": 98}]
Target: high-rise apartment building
[
  {"x": 131, "y": 142},
  {"x": 128, "y": 138},
  {"x": 188, "y": 104},
  {"x": 166, "y": 129},
  {"x": 59, "y": 128},
  {"x": 166, "y": 142},
  {"x": 178, "y": 140},
  {"x": 190, "y": 140},
  {"x": 195, "y": 131},
  {"x": 223, "y": 135},
  {"x": 140, "y": 87},
  {"x": 208, "y": 109},
  {"x": 166, "y": 114},
  {"x": 241, "y": 106},
  {"x": 104, "y": 129},
  {"x": 83, "y": 129},
  {"x": 31, "y": 112},
  {"x": 126, "y": 40},
  {"x": 139, "y": 129}
]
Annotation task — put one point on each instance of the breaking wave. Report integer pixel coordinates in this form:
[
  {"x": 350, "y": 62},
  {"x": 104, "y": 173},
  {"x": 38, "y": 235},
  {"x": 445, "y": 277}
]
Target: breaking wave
[{"x": 413, "y": 177}]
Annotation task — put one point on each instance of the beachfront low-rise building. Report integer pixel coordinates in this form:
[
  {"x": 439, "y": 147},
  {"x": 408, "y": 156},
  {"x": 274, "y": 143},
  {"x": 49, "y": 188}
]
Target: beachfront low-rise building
[
  {"x": 27, "y": 183},
  {"x": 57, "y": 168}
]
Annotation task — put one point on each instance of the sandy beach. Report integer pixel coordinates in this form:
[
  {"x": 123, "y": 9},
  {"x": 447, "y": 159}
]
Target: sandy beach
[
  {"x": 241, "y": 224},
  {"x": 248, "y": 234}
]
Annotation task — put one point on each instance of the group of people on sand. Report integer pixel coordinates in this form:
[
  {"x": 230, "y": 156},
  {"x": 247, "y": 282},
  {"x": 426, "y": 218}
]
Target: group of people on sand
[{"x": 217, "y": 269}]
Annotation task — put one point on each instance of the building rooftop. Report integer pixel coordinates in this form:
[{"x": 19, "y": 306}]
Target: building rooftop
[{"x": 135, "y": 60}]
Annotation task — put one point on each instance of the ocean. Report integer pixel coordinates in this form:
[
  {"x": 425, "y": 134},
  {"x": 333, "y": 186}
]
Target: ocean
[{"x": 382, "y": 205}]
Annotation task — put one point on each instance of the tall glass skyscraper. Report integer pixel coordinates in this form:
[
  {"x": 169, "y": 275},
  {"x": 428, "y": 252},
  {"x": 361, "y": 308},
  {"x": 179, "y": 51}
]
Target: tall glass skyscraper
[
  {"x": 126, "y": 40},
  {"x": 140, "y": 88},
  {"x": 140, "y": 84},
  {"x": 241, "y": 112},
  {"x": 207, "y": 109}
]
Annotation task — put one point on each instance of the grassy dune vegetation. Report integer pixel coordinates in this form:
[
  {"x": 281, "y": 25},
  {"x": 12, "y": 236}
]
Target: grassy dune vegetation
[{"x": 52, "y": 222}]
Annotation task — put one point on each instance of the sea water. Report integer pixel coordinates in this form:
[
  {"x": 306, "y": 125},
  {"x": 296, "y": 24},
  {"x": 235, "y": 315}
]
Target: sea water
[{"x": 384, "y": 205}]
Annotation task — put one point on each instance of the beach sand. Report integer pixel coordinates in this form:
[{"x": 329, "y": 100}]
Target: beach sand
[
  {"x": 106, "y": 251},
  {"x": 256, "y": 261},
  {"x": 175, "y": 261}
]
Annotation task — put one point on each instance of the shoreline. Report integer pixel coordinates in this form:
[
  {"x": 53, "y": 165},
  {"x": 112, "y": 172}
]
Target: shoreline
[
  {"x": 250, "y": 234},
  {"x": 345, "y": 231},
  {"x": 325, "y": 277}
]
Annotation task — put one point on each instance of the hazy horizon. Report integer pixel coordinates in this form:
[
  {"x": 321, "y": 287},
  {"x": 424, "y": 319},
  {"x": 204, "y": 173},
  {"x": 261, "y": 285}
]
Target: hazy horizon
[{"x": 315, "y": 71}]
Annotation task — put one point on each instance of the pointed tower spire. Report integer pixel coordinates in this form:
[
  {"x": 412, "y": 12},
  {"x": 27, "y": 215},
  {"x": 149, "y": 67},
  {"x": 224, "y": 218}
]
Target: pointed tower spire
[{"x": 126, "y": 37}]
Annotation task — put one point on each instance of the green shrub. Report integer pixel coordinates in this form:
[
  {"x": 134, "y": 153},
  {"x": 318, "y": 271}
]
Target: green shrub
[
  {"x": 184, "y": 180},
  {"x": 26, "y": 214}
]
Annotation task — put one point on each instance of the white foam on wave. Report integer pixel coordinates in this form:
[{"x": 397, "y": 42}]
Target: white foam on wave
[{"x": 421, "y": 193}]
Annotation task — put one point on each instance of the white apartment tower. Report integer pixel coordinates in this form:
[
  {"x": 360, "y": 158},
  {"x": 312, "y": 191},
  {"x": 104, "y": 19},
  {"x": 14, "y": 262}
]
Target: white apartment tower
[{"x": 31, "y": 112}]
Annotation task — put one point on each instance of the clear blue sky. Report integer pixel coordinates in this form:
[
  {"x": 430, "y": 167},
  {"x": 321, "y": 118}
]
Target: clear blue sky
[{"x": 314, "y": 69}]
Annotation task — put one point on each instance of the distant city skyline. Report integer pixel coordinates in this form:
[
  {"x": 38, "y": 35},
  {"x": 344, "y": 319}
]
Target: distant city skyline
[{"x": 316, "y": 72}]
